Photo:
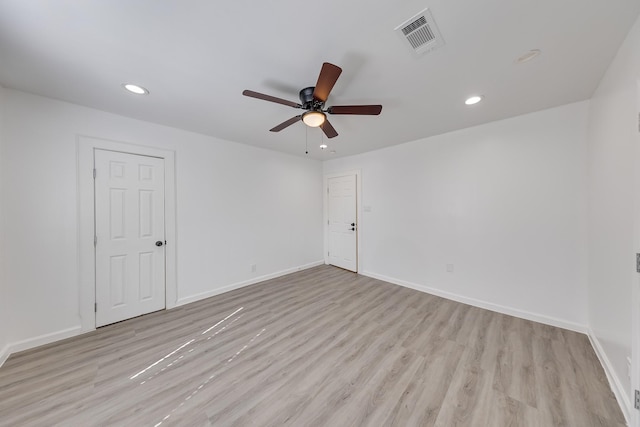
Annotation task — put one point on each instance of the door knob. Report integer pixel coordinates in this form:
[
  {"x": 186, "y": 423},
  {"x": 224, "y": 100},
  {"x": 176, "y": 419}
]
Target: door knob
[
  {"x": 353, "y": 224},
  {"x": 159, "y": 243},
  {"x": 353, "y": 229}
]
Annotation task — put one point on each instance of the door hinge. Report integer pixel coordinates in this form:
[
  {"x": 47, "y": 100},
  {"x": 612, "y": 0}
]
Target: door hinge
[
  {"x": 637, "y": 400},
  {"x": 327, "y": 190},
  {"x": 94, "y": 174},
  {"x": 95, "y": 307},
  {"x": 95, "y": 241},
  {"x": 328, "y": 253},
  {"x": 638, "y": 263}
]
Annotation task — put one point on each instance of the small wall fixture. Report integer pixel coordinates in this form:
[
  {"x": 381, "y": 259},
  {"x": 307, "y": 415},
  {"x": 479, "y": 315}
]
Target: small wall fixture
[
  {"x": 473, "y": 100},
  {"x": 313, "y": 118},
  {"x": 323, "y": 146},
  {"x": 138, "y": 90}
]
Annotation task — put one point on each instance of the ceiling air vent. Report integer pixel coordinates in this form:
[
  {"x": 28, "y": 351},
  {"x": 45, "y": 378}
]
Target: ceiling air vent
[{"x": 420, "y": 32}]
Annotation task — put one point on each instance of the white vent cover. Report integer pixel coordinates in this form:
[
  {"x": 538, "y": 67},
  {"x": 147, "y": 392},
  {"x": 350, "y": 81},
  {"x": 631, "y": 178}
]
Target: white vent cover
[{"x": 420, "y": 33}]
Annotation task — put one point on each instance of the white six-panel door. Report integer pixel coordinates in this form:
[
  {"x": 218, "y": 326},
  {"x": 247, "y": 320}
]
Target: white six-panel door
[
  {"x": 129, "y": 215},
  {"x": 342, "y": 222}
]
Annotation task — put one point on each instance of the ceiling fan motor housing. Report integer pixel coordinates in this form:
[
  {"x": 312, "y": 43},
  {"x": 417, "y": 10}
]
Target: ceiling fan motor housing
[{"x": 308, "y": 101}]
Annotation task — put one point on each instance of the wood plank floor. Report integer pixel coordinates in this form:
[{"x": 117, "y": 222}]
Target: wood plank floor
[{"x": 322, "y": 347}]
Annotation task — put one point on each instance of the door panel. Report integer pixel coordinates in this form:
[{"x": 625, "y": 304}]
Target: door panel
[
  {"x": 129, "y": 215},
  {"x": 146, "y": 275},
  {"x": 117, "y": 279},
  {"x": 342, "y": 222}
]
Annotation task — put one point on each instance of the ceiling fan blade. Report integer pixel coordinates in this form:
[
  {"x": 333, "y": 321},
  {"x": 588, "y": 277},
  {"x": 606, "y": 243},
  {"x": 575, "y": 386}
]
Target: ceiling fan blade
[
  {"x": 328, "y": 129},
  {"x": 287, "y": 123},
  {"x": 328, "y": 76},
  {"x": 259, "y": 95},
  {"x": 369, "y": 110}
]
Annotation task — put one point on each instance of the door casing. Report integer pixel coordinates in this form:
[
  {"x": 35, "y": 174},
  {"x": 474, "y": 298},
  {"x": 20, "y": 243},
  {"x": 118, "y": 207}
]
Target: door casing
[
  {"x": 635, "y": 307},
  {"x": 86, "y": 221}
]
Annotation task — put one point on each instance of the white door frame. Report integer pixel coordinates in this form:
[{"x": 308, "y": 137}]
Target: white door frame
[
  {"x": 86, "y": 220},
  {"x": 635, "y": 308},
  {"x": 325, "y": 214}
]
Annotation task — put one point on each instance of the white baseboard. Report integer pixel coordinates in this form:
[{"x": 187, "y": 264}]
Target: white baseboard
[
  {"x": 4, "y": 354},
  {"x": 238, "y": 285},
  {"x": 535, "y": 317},
  {"x": 622, "y": 396},
  {"x": 27, "y": 344}
]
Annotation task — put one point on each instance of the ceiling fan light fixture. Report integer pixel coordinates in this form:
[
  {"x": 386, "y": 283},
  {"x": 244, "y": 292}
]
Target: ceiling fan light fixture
[{"x": 314, "y": 118}]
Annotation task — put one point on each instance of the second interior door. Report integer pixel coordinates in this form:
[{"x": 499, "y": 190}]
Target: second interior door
[{"x": 343, "y": 237}]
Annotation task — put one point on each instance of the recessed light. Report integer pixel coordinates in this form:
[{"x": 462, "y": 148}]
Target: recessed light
[
  {"x": 138, "y": 90},
  {"x": 323, "y": 146},
  {"x": 473, "y": 100},
  {"x": 533, "y": 53}
]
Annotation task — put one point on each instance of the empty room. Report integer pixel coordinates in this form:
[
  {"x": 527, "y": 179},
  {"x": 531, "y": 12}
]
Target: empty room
[{"x": 419, "y": 213}]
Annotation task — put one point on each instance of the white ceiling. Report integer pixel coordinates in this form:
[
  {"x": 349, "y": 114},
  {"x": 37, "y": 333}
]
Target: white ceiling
[{"x": 196, "y": 58}]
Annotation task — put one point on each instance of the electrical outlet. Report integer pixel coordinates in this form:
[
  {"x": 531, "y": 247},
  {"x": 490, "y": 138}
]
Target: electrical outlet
[
  {"x": 449, "y": 268},
  {"x": 253, "y": 268}
]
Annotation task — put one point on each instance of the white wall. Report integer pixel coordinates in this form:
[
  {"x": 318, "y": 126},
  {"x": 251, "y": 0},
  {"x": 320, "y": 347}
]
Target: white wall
[
  {"x": 613, "y": 157},
  {"x": 503, "y": 202},
  {"x": 236, "y": 205}
]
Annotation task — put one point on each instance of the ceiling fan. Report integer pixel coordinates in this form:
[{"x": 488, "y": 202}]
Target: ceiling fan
[{"x": 312, "y": 99}]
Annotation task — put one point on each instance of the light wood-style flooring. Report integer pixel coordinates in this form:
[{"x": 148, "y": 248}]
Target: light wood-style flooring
[{"x": 321, "y": 347}]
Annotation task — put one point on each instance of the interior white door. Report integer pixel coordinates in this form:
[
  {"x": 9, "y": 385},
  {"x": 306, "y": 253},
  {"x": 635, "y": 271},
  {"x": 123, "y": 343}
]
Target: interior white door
[
  {"x": 129, "y": 215},
  {"x": 343, "y": 238}
]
